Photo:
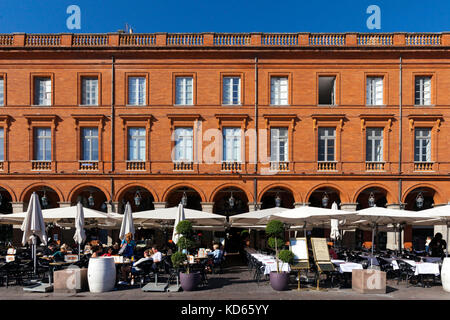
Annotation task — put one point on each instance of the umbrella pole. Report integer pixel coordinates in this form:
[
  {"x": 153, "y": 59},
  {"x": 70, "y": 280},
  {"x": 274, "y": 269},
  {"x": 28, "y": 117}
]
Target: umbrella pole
[
  {"x": 373, "y": 236},
  {"x": 79, "y": 253},
  {"x": 400, "y": 239},
  {"x": 446, "y": 244},
  {"x": 34, "y": 255}
]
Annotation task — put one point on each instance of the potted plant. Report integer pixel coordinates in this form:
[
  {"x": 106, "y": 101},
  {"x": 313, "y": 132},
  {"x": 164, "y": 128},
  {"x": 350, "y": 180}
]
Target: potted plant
[
  {"x": 245, "y": 236},
  {"x": 188, "y": 280},
  {"x": 279, "y": 280}
]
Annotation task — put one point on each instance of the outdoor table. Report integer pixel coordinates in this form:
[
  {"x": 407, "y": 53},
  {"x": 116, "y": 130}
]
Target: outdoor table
[
  {"x": 431, "y": 259},
  {"x": 270, "y": 264},
  {"x": 346, "y": 266},
  {"x": 372, "y": 260}
]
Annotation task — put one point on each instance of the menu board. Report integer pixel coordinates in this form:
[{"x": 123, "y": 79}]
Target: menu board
[
  {"x": 299, "y": 248},
  {"x": 320, "y": 249}
]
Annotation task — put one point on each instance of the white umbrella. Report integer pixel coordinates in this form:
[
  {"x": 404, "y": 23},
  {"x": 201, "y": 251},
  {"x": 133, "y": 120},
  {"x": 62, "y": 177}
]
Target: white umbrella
[
  {"x": 180, "y": 217},
  {"x": 33, "y": 226},
  {"x": 254, "y": 217},
  {"x": 198, "y": 218},
  {"x": 127, "y": 222},
  {"x": 80, "y": 235},
  {"x": 334, "y": 233}
]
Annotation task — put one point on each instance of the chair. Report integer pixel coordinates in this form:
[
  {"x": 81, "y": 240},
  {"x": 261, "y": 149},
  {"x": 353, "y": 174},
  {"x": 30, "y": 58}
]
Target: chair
[
  {"x": 405, "y": 270},
  {"x": 145, "y": 270}
]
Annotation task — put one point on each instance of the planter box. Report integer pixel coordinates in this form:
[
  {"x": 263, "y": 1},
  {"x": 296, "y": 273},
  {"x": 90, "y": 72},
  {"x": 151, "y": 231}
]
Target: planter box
[
  {"x": 71, "y": 280},
  {"x": 369, "y": 281}
]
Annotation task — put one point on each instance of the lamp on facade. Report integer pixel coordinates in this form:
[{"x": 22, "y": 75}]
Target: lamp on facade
[
  {"x": 277, "y": 201},
  {"x": 231, "y": 200},
  {"x": 184, "y": 199},
  {"x": 91, "y": 200},
  {"x": 325, "y": 199},
  {"x": 137, "y": 198},
  {"x": 371, "y": 200},
  {"x": 1, "y": 198},
  {"x": 419, "y": 200},
  {"x": 44, "y": 200}
]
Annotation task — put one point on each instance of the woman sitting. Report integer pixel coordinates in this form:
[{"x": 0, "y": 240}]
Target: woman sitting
[{"x": 59, "y": 255}]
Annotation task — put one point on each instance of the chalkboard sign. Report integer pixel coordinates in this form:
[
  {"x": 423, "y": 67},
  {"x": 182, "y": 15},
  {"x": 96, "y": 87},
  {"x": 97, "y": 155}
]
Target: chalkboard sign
[
  {"x": 299, "y": 247},
  {"x": 320, "y": 249}
]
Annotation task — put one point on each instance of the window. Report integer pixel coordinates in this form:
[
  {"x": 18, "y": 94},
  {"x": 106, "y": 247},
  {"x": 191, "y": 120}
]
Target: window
[
  {"x": 89, "y": 144},
  {"x": 136, "y": 91},
  {"x": 278, "y": 144},
  {"x": 423, "y": 91},
  {"x": 231, "y": 90},
  {"x": 327, "y": 138},
  {"x": 42, "y": 144},
  {"x": 184, "y": 141},
  {"x": 2, "y": 145},
  {"x": 184, "y": 91},
  {"x": 327, "y": 90},
  {"x": 422, "y": 145},
  {"x": 2, "y": 89},
  {"x": 279, "y": 90},
  {"x": 89, "y": 91},
  {"x": 232, "y": 144},
  {"x": 136, "y": 144},
  {"x": 374, "y": 91},
  {"x": 374, "y": 144},
  {"x": 42, "y": 91}
]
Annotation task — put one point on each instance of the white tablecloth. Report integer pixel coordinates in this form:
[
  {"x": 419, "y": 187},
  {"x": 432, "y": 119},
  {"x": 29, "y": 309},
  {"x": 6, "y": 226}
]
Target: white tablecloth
[
  {"x": 346, "y": 266},
  {"x": 270, "y": 264},
  {"x": 423, "y": 267}
]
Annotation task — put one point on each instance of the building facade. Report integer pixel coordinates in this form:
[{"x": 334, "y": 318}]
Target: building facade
[{"x": 267, "y": 119}]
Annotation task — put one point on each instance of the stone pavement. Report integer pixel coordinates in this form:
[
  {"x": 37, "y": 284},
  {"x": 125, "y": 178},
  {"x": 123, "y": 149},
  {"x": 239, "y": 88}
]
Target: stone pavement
[{"x": 236, "y": 283}]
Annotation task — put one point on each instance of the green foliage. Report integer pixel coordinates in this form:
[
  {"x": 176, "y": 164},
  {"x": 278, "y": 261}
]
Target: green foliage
[
  {"x": 177, "y": 259},
  {"x": 271, "y": 242},
  {"x": 185, "y": 243},
  {"x": 275, "y": 228},
  {"x": 245, "y": 234},
  {"x": 185, "y": 228},
  {"x": 286, "y": 256}
]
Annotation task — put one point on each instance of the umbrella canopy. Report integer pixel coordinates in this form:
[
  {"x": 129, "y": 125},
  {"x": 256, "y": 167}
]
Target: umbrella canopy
[
  {"x": 385, "y": 216},
  {"x": 180, "y": 217},
  {"x": 33, "y": 225},
  {"x": 334, "y": 233},
  {"x": 127, "y": 222},
  {"x": 80, "y": 235},
  {"x": 198, "y": 218},
  {"x": 254, "y": 217}
]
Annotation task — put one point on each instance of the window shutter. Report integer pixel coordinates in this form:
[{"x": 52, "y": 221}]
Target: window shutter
[{"x": 427, "y": 91}]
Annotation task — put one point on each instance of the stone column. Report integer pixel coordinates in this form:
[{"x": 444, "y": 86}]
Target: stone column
[
  {"x": 17, "y": 207},
  {"x": 207, "y": 206},
  {"x": 442, "y": 228},
  {"x": 112, "y": 206},
  {"x": 348, "y": 236},
  {"x": 251, "y": 206},
  {"x": 349, "y": 206},
  {"x": 64, "y": 204},
  {"x": 160, "y": 205},
  {"x": 392, "y": 237},
  {"x": 300, "y": 204}
]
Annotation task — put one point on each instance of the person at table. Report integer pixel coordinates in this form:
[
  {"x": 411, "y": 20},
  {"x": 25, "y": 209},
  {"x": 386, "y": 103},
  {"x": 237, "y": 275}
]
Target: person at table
[
  {"x": 128, "y": 270},
  {"x": 437, "y": 245},
  {"x": 109, "y": 252},
  {"x": 216, "y": 254},
  {"x": 427, "y": 245},
  {"x": 50, "y": 250},
  {"x": 58, "y": 256},
  {"x": 333, "y": 254},
  {"x": 128, "y": 245},
  {"x": 97, "y": 251}
]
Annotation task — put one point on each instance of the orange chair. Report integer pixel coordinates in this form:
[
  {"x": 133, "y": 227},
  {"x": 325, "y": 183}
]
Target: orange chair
[
  {"x": 367, "y": 245},
  {"x": 408, "y": 246}
]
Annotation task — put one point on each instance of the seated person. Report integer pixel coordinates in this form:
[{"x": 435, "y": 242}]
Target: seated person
[
  {"x": 217, "y": 254},
  {"x": 96, "y": 251},
  {"x": 50, "y": 250},
  {"x": 109, "y": 252},
  {"x": 59, "y": 255},
  {"x": 156, "y": 256},
  {"x": 87, "y": 249},
  {"x": 128, "y": 270},
  {"x": 333, "y": 254}
]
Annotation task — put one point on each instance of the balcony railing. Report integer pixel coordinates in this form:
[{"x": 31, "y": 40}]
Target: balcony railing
[
  {"x": 39, "y": 165},
  {"x": 279, "y": 166},
  {"x": 88, "y": 165},
  {"x": 423, "y": 166},
  {"x": 225, "y": 39},
  {"x": 231, "y": 166},
  {"x": 183, "y": 166},
  {"x": 327, "y": 166},
  {"x": 374, "y": 166},
  {"x": 135, "y": 165}
]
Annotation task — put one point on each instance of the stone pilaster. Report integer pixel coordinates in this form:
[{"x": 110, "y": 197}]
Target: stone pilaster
[
  {"x": 300, "y": 204},
  {"x": 160, "y": 205},
  {"x": 251, "y": 206},
  {"x": 112, "y": 207},
  {"x": 349, "y": 206},
  {"x": 18, "y": 207},
  {"x": 392, "y": 237},
  {"x": 64, "y": 204},
  {"x": 207, "y": 206}
]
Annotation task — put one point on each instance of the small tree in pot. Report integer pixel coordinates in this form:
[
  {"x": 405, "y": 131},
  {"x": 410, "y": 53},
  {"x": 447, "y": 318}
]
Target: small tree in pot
[
  {"x": 188, "y": 280},
  {"x": 279, "y": 280}
]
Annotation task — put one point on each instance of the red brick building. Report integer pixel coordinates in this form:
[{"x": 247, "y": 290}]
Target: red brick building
[{"x": 344, "y": 117}]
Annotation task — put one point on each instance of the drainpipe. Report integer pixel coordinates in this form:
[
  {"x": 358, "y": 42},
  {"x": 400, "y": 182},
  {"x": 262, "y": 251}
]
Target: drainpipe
[
  {"x": 400, "y": 153},
  {"x": 112, "y": 113},
  {"x": 255, "y": 181}
]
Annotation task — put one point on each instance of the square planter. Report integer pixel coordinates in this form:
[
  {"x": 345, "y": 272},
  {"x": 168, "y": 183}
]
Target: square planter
[{"x": 369, "y": 281}]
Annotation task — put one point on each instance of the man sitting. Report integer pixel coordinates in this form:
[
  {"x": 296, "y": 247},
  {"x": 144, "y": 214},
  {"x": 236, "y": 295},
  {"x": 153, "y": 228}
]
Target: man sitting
[
  {"x": 128, "y": 270},
  {"x": 157, "y": 257}
]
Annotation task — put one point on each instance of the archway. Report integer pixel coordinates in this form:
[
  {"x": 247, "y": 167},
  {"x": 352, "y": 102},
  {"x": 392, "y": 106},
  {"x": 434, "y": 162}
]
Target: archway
[
  {"x": 323, "y": 197},
  {"x": 6, "y": 230},
  {"x": 48, "y": 197},
  {"x": 139, "y": 198},
  {"x": 191, "y": 198},
  {"x": 277, "y": 196}
]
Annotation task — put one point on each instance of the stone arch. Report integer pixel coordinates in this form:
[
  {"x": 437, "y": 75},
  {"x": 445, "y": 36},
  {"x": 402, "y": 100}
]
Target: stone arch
[
  {"x": 439, "y": 197},
  {"x": 10, "y": 191},
  {"x": 389, "y": 195},
  {"x": 124, "y": 188},
  {"x": 297, "y": 197},
  {"x": 180, "y": 185},
  {"x": 227, "y": 185},
  {"x": 343, "y": 195},
  {"x": 38, "y": 184},
  {"x": 87, "y": 184}
]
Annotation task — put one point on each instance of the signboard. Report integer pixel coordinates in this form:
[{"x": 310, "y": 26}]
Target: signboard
[
  {"x": 320, "y": 249},
  {"x": 71, "y": 258},
  {"x": 299, "y": 247}
]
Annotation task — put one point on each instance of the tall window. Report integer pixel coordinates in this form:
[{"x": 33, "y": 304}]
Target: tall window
[
  {"x": 231, "y": 90},
  {"x": 374, "y": 91},
  {"x": 136, "y": 144},
  {"x": 279, "y": 90},
  {"x": 423, "y": 91},
  {"x": 232, "y": 144},
  {"x": 327, "y": 141},
  {"x": 89, "y": 144},
  {"x": 42, "y": 91},
  {"x": 422, "y": 145},
  {"x": 89, "y": 91},
  {"x": 42, "y": 144},
  {"x": 327, "y": 90},
  {"x": 136, "y": 91},
  {"x": 184, "y": 140},
  {"x": 184, "y": 91},
  {"x": 374, "y": 144},
  {"x": 2, "y": 145},
  {"x": 279, "y": 144},
  {"x": 2, "y": 91}
]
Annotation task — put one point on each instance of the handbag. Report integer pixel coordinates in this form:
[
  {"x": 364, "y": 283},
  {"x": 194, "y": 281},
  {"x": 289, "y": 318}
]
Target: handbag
[{"x": 122, "y": 249}]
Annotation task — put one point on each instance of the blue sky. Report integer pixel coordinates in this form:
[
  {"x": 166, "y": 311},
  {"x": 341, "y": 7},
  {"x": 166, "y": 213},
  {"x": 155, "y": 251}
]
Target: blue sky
[{"x": 49, "y": 16}]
